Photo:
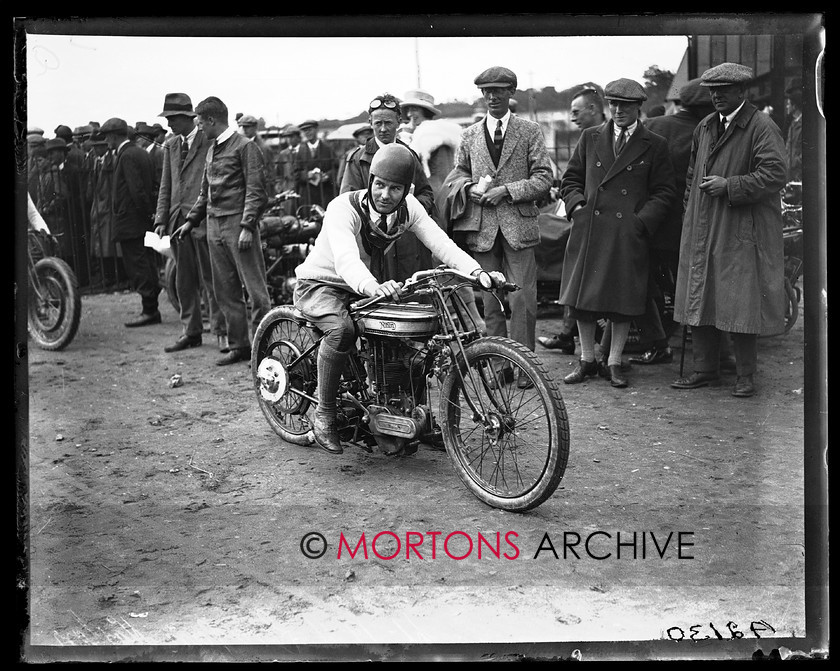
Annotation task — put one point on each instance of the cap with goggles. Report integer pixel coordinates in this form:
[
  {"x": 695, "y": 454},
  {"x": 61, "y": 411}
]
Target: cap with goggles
[{"x": 389, "y": 103}]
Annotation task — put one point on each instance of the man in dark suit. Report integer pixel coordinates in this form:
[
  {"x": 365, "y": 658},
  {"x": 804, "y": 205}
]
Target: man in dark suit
[
  {"x": 511, "y": 152},
  {"x": 315, "y": 167},
  {"x": 183, "y": 169},
  {"x": 618, "y": 188},
  {"x": 133, "y": 204}
]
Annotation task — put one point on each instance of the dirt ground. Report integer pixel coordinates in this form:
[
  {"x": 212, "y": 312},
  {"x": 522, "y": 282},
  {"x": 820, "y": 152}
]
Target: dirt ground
[{"x": 166, "y": 522}]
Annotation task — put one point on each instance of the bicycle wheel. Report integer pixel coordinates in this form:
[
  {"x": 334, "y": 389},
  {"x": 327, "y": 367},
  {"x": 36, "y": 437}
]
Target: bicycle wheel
[
  {"x": 285, "y": 376},
  {"x": 55, "y": 304},
  {"x": 515, "y": 457},
  {"x": 791, "y": 305}
]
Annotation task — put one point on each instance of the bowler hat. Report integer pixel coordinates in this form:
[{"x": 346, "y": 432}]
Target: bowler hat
[
  {"x": 309, "y": 123},
  {"x": 247, "y": 120},
  {"x": 177, "y": 103},
  {"x": 56, "y": 143},
  {"x": 64, "y": 131},
  {"x": 726, "y": 74},
  {"x": 115, "y": 125},
  {"x": 692, "y": 95},
  {"x": 418, "y": 98},
  {"x": 496, "y": 76},
  {"x": 625, "y": 90}
]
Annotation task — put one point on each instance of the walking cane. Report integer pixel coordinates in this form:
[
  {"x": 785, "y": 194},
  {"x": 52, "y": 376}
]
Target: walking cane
[{"x": 682, "y": 353}]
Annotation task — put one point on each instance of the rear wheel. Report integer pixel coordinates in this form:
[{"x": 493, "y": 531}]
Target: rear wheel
[
  {"x": 514, "y": 456},
  {"x": 55, "y": 304},
  {"x": 285, "y": 373}
]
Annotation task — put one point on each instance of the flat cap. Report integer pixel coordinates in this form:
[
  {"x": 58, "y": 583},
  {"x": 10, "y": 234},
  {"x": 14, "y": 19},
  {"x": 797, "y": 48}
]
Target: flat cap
[
  {"x": 247, "y": 120},
  {"x": 34, "y": 140},
  {"x": 625, "y": 90},
  {"x": 114, "y": 125},
  {"x": 291, "y": 129},
  {"x": 693, "y": 95},
  {"x": 144, "y": 129},
  {"x": 309, "y": 123},
  {"x": 56, "y": 143},
  {"x": 63, "y": 131},
  {"x": 362, "y": 129},
  {"x": 97, "y": 138},
  {"x": 496, "y": 76},
  {"x": 82, "y": 131},
  {"x": 726, "y": 74},
  {"x": 35, "y": 131}
]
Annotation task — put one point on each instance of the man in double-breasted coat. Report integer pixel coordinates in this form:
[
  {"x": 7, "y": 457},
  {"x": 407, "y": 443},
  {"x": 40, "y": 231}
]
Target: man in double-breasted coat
[
  {"x": 502, "y": 235},
  {"x": 183, "y": 168},
  {"x": 617, "y": 191},
  {"x": 731, "y": 271},
  {"x": 133, "y": 203}
]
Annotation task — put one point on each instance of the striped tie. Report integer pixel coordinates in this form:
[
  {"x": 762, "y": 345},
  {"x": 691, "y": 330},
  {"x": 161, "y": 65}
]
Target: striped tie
[
  {"x": 184, "y": 149},
  {"x": 619, "y": 143},
  {"x": 497, "y": 136}
]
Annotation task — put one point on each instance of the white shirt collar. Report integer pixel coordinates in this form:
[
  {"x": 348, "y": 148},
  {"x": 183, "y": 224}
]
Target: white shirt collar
[
  {"x": 122, "y": 143},
  {"x": 190, "y": 138},
  {"x": 374, "y": 215},
  {"x": 225, "y": 135},
  {"x": 728, "y": 118},
  {"x": 313, "y": 145},
  {"x": 150, "y": 146},
  {"x": 629, "y": 130},
  {"x": 381, "y": 144},
  {"x": 492, "y": 122}
]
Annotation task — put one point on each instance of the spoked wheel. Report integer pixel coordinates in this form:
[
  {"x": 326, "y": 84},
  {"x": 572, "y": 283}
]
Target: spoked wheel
[
  {"x": 514, "y": 456},
  {"x": 285, "y": 375},
  {"x": 791, "y": 305},
  {"x": 55, "y": 304}
]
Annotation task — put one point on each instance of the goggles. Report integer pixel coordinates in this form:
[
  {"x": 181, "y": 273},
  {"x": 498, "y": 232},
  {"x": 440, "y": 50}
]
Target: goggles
[{"x": 376, "y": 103}]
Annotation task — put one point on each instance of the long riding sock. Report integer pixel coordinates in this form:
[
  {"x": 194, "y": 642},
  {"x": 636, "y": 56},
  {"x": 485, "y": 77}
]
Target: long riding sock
[
  {"x": 586, "y": 333},
  {"x": 620, "y": 331},
  {"x": 330, "y": 366}
]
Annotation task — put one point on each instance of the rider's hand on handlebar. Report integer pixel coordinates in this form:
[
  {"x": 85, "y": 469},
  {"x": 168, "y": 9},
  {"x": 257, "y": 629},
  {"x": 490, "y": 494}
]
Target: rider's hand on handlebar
[
  {"x": 490, "y": 280},
  {"x": 389, "y": 289}
]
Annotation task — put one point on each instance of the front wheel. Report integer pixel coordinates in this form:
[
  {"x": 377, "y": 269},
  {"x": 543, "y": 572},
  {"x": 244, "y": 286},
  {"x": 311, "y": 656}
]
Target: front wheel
[
  {"x": 285, "y": 371},
  {"x": 55, "y": 304},
  {"x": 512, "y": 450}
]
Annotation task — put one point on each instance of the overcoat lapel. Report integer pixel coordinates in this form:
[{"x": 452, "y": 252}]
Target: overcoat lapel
[{"x": 636, "y": 146}]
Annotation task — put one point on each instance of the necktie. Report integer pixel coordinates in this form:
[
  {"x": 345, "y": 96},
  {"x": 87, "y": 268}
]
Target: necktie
[
  {"x": 497, "y": 136},
  {"x": 721, "y": 127},
  {"x": 619, "y": 143},
  {"x": 184, "y": 149},
  {"x": 383, "y": 223}
]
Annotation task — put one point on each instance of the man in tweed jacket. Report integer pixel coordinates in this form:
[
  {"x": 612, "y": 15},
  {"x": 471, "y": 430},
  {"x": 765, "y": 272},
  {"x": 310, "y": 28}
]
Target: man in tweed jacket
[{"x": 503, "y": 232}]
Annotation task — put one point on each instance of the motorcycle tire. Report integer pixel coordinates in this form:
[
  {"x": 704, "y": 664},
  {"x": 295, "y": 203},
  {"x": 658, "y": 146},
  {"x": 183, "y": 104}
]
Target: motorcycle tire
[
  {"x": 515, "y": 459},
  {"x": 55, "y": 304},
  {"x": 282, "y": 337}
]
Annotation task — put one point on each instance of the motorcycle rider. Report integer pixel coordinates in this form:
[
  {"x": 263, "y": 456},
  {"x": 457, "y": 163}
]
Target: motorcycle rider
[{"x": 349, "y": 261}]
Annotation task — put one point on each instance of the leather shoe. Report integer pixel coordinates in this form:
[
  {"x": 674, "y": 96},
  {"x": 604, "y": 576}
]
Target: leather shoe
[
  {"x": 565, "y": 343},
  {"x": 242, "y": 354},
  {"x": 223, "y": 344},
  {"x": 696, "y": 380},
  {"x": 654, "y": 355},
  {"x": 145, "y": 319},
  {"x": 583, "y": 370},
  {"x": 744, "y": 386},
  {"x": 616, "y": 378},
  {"x": 326, "y": 435},
  {"x": 184, "y": 342},
  {"x": 523, "y": 381}
]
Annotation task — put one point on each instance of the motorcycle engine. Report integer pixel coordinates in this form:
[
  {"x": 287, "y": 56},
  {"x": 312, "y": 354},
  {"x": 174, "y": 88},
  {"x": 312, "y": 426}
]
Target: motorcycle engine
[{"x": 397, "y": 370}]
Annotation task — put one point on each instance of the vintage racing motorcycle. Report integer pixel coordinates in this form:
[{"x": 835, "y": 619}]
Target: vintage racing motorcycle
[{"x": 500, "y": 416}]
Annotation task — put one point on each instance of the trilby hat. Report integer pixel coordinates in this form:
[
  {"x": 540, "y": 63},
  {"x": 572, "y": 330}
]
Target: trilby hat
[{"x": 177, "y": 103}]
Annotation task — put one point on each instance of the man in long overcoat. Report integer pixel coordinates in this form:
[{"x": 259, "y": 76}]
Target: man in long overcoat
[
  {"x": 502, "y": 235},
  {"x": 731, "y": 272},
  {"x": 133, "y": 203},
  {"x": 617, "y": 191}
]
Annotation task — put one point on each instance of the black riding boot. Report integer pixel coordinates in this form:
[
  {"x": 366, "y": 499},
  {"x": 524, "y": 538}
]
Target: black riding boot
[{"x": 330, "y": 366}]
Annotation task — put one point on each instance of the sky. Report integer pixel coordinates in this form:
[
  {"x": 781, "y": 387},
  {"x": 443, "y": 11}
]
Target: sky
[{"x": 73, "y": 79}]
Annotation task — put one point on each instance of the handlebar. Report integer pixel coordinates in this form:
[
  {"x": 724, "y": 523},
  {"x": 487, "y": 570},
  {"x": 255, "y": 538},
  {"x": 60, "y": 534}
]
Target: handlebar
[{"x": 421, "y": 275}]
